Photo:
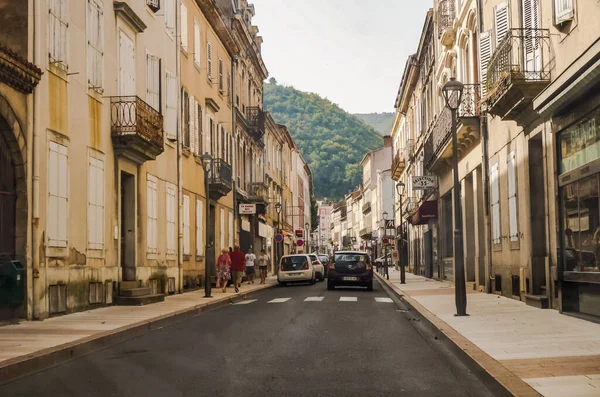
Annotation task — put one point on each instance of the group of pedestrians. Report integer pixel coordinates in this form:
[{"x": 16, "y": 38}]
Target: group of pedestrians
[{"x": 232, "y": 264}]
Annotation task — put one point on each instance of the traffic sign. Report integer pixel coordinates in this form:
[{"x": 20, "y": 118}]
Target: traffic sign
[
  {"x": 278, "y": 238},
  {"x": 300, "y": 243}
]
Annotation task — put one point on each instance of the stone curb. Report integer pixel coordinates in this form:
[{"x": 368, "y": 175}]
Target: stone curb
[
  {"x": 14, "y": 368},
  {"x": 508, "y": 380}
]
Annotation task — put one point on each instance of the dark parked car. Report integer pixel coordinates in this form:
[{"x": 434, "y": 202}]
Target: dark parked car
[
  {"x": 325, "y": 261},
  {"x": 350, "y": 268}
]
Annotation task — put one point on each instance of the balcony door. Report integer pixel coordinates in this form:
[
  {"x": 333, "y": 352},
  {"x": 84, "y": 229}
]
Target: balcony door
[
  {"x": 126, "y": 65},
  {"x": 532, "y": 46}
]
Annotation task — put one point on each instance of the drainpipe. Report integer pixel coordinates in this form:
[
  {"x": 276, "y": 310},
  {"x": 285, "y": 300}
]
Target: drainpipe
[
  {"x": 179, "y": 154},
  {"x": 236, "y": 160},
  {"x": 486, "y": 198}
]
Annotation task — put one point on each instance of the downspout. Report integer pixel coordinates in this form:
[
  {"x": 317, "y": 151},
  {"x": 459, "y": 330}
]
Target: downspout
[
  {"x": 35, "y": 163},
  {"x": 235, "y": 158},
  {"x": 179, "y": 151}
]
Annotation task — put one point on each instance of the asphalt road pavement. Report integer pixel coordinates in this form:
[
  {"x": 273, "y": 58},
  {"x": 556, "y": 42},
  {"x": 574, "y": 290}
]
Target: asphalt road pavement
[{"x": 289, "y": 341}]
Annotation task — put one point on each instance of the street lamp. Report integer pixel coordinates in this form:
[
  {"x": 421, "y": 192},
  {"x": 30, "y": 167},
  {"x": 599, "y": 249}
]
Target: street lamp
[
  {"x": 400, "y": 190},
  {"x": 453, "y": 91},
  {"x": 279, "y": 245},
  {"x": 385, "y": 249},
  {"x": 207, "y": 162},
  {"x": 307, "y": 238}
]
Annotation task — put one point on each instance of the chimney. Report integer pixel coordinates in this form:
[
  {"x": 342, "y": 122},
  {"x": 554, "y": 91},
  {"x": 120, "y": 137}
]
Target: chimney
[{"x": 387, "y": 141}]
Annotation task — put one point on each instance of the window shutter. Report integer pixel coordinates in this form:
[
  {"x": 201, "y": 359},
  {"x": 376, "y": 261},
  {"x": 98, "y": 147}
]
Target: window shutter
[
  {"x": 192, "y": 124},
  {"x": 222, "y": 226},
  {"x": 152, "y": 208},
  {"x": 197, "y": 147},
  {"x": 186, "y": 225},
  {"x": 196, "y": 43},
  {"x": 184, "y": 27},
  {"x": 199, "y": 227},
  {"x": 91, "y": 201},
  {"x": 220, "y": 74},
  {"x": 230, "y": 230},
  {"x": 512, "y": 198},
  {"x": 171, "y": 116},
  {"x": 485, "y": 53},
  {"x": 171, "y": 218},
  {"x": 209, "y": 60},
  {"x": 501, "y": 21},
  {"x": 58, "y": 188},
  {"x": 495, "y": 204},
  {"x": 563, "y": 11},
  {"x": 95, "y": 203},
  {"x": 63, "y": 187}
]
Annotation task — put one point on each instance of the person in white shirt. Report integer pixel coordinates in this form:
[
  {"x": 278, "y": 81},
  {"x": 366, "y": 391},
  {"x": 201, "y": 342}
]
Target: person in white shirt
[
  {"x": 250, "y": 259},
  {"x": 263, "y": 266}
]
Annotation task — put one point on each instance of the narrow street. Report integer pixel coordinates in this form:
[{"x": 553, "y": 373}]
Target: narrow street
[{"x": 293, "y": 341}]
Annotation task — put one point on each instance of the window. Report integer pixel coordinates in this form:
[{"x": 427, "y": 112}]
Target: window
[
  {"x": 153, "y": 81},
  {"x": 563, "y": 11},
  {"x": 198, "y": 115},
  {"x": 485, "y": 53},
  {"x": 170, "y": 16},
  {"x": 193, "y": 109},
  {"x": 58, "y": 25},
  {"x": 95, "y": 49},
  {"x": 221, "y": 75},
  {"x": 196, "y": 43},
  {"x": 171, "y": 218},
  {"x": 58, "y": 195},
  {"x": 230, "y": 230},
  {"x": 186, "y": 225},
  {"x": 95, "y": 204},
  {"x": 199, "y": 227},
  {"x": 512, "y": 198},
  {"x": 209, "y": 60},
  {"x": 184, "y": 27},
  {"x": 501, "y": 23},
  {"x": 154, "y": 5},
  {"x": 152, "y": 226},
  {"x": 185, "y": 114},
  {"x": 229, "y": 84},
  {"x": 496, "y": 238},
  {"x": 127, "y": 72},
  {"x": 171, "y": 104},
  {"x": 222, "y": 226}
]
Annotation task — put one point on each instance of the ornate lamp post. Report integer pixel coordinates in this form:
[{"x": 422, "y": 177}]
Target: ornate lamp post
[
  {"x": 385, "y": 267},
  {"x": 452, "y": 92},
  {"x": 307, "y": 238},
  {"x": 400, "y": 190},
  {"x": 207, "y": 162},
  {"x": 279, "y": 245}
]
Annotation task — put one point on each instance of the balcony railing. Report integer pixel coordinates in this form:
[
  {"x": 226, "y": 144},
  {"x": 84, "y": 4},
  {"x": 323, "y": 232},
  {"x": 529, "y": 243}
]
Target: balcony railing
[
  {"x": 255, "y": 118},
  {"x": 398, "y": 164},
  {"x": 516, "y": 72},
  {"x": 409, "y": 150},
  {"x": 220, "y": 179},
  {"x": 258, "y": 192},
  {"x": 442, "y": 130},
  {"x": 445, "y": 16},
  {"x": 137, "y": 128}
]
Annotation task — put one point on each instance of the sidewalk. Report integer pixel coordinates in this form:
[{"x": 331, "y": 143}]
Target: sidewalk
[
  {"x": 519, "y": 345},
  {"x": 34, "y": 345}
]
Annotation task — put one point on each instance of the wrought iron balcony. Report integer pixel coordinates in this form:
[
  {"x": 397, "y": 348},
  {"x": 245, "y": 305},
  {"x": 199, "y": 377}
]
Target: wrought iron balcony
[
  {"x": 398, "y": 164},
  {"x": 258, "y": 192},
  {"x": 409, "y": 150},
  {"x": 137, "y": 129},
  {"x": 439, "y": 146},
  {"x": 220, "y": 179},
  {"x": 517, "y": 73},
  {"x": 365, "y": 233},
  {"x": 255, "y": 117},
  {"x": 446, "y": 13}
]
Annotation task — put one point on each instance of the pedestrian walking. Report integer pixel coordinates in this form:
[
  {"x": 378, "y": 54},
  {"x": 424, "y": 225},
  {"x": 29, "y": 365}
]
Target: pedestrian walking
[
  {"x": 237, "y": 267},
  {"x": 250, "y": 259},
  {"x": 263, "y": 266},
  {"x": 224, "y": 268}
]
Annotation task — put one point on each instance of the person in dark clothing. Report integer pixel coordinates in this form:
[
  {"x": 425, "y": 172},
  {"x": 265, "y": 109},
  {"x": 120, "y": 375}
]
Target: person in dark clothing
[{"x": 238, "y": 265}]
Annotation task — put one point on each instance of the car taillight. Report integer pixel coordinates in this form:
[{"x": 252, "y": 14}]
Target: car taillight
[
  {"x": 306, "y": 266},
  {"x": 281, "y": 267}
]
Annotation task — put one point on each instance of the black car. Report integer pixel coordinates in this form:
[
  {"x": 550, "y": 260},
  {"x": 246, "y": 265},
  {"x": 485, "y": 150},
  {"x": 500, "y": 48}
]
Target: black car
[{"x": 352, "y": 268}]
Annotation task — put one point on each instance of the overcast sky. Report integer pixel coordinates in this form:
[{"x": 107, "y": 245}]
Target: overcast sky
[{"x": 350, "y": 51}]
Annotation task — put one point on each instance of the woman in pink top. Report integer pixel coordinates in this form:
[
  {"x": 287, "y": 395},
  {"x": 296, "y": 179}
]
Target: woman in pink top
[{"x": 224, "y": 268}]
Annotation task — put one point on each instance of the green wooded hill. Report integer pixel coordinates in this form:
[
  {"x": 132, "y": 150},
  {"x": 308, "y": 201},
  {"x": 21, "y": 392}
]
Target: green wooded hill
[
  {"x": 332, "y": 141},
  {"x": 382, "y": 122}
]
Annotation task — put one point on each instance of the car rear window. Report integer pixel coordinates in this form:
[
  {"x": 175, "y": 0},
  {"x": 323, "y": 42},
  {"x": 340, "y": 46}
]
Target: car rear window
[
  {"x": 323, "y": 258},
  {"x": 293, "y": 260},
  {"x": 314, "y": 258},
  {"x": 352, "y": 258}
]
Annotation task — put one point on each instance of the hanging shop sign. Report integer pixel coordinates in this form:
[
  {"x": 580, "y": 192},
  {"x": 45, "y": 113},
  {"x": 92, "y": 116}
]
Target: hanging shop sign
[
  {"x": 247, "y": 209},
  {"x": 422, "y": 182}
]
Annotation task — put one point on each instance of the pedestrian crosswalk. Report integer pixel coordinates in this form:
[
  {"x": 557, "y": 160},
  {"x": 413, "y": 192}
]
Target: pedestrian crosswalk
[{"x": 318, "y": 299}]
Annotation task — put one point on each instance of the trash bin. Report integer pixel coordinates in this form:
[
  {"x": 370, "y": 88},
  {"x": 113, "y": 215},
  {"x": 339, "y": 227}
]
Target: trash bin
[{"x": 12, "y": 283}]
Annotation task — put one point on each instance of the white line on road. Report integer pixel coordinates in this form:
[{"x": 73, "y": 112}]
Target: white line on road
[
  {"x": 314, "y": 299},
  {"x": 279, "y": 300},
  {"x": 384, "y": 300},
  {"x": 348, "y": 298},
  {"x": 246, "y": 302}
]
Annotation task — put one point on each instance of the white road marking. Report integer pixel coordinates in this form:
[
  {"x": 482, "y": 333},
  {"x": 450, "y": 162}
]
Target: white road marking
[
  {"x": 314, "y": 299},
  {"x": 246, "y": 302},
  {"x": 384, "y": 300},
  {"x": 348, "y": 299},
  {"x": 279, "y": 300}
]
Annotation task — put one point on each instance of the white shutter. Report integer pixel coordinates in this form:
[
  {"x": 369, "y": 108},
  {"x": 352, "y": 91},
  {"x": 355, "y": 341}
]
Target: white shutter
[
  {"x": 57, "y": 32},
  {"x": 152, "y": 216},
  {"x": 171, "y": 219},
  {"x": 501, "y": 21},
  {"x": 186, "y": 225},
  {"x": 126, "y": 65},
  {"x": 196, "y": 42},
  {"x": 222, "y": 226},
  {"x": 192, "y": 126},
  {"x": 58, "y": 193},
  {"x": 209, "y": 59},
  {"x": 96, "y": 204},
  {"x": 563, "y": 11},
  {"x": 153, "y": 81},
  {"x": 170, "y": 15},
  {"x": 184, "y": 27},
  {"x": 171, "y": 104},
  {"x": 512, "y": 198},
  {"x": 485, "y": 53},
  {"x": 495, "y": 204},
  {"x": 199, "y": 227},
  {"x": 197, "y": 128},
  {"x": 532, "y": 45},
  {"x": 95, "y": 41},
  {"x": 230, "y": 230}
]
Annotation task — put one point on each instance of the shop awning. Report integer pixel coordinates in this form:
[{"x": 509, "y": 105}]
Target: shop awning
[{"x": 428, "y": 210}]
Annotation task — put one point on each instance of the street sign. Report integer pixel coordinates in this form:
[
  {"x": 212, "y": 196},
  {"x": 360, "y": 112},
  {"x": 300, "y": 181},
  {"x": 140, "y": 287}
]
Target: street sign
[
  {"x": 247, "y": 209},
  {"x": 299, "y": 233},
  {"x": 389, "y": 224},
  {"x": 300, "y": 243},
  {"x": 278, "y": 238},
  {"x": 422, "y": 182}
]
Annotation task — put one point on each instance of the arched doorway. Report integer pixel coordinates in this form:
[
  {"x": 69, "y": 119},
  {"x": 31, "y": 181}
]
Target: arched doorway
[{"x": 8, "y": 200}]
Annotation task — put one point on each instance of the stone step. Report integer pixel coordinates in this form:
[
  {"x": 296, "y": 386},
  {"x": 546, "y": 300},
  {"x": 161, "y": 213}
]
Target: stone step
[
  {"x": 135, "y": 292},
  {"x": 129, "y": 285},
  {"x": 539, "y": 301},
  {"x": 138, "y": 300}
]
